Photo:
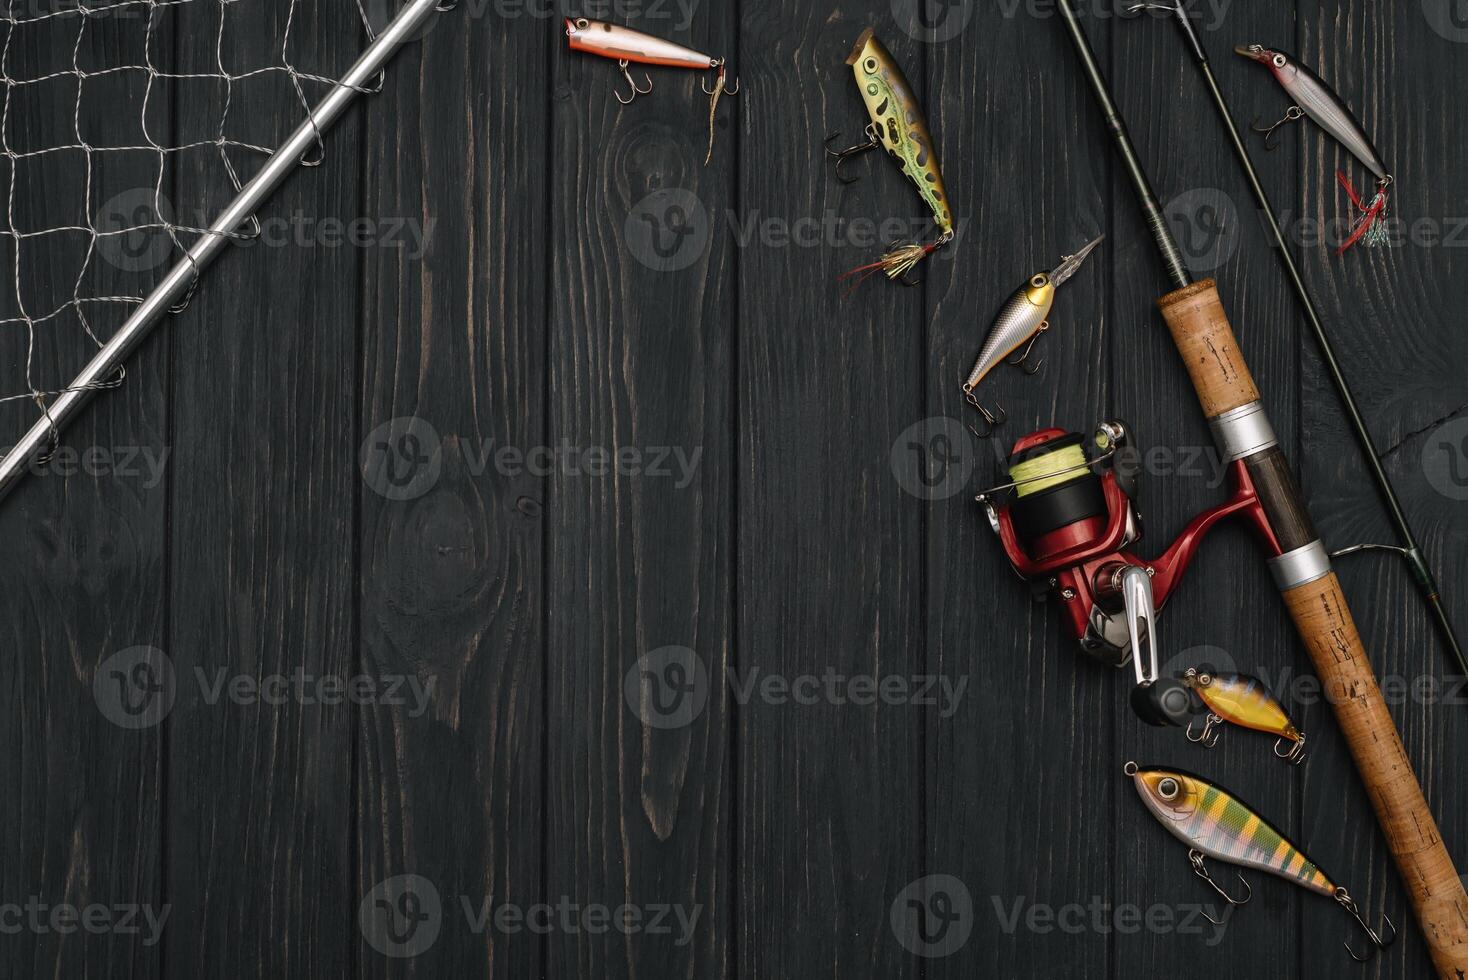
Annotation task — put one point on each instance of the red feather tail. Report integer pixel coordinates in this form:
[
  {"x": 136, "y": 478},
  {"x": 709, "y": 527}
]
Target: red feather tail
[{"x": 1368, "y": 229}]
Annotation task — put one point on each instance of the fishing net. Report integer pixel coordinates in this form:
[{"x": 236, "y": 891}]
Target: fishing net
[{"x": 127, "y": 127}]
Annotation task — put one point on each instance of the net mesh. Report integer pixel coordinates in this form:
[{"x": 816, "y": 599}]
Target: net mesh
[{"x": 126, "y": 126}]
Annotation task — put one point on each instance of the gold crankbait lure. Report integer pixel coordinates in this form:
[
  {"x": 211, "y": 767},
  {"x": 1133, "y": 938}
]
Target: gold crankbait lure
[
  {"x": 1024, "y": 317},
  {"x": 1214, "y": 823},
  {"x": 1244, "y": 701},
  {"x": 897, "y": 125}
]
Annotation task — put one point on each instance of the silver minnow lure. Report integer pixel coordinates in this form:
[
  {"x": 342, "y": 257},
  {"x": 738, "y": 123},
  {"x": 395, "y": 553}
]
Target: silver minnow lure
[
  {"x": 1318, "y": 101},
  {"x": 1314, "y": 98},
  {"x": 1023, "y": 318}
]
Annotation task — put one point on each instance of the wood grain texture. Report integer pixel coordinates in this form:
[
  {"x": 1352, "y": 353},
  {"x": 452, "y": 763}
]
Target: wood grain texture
[
  {"x": 830, "y": 548},
  {"x": 554, "y": 306},
  {"x": 262, "y": 542},
  {"x": 1031, "y": 697},
  {"x": 642, "y": 270},
  {"x": 451, "y": 555},
  {"x": 79, "y": 548}
]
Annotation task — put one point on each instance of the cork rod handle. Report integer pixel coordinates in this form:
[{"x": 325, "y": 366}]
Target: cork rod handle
[{"x": 1206, "y": 340}]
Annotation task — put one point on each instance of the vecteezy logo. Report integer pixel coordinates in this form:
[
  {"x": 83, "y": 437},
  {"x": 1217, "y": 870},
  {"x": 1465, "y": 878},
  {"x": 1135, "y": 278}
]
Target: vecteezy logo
[
  {"x": 933, "y": 459},
  {"x": 1206, "y": 225},
  {"x": 130, "y": 230},
  {"x": 1449, "y": 18},
  {"x": 135, "y": 688},
  {"x": 401, "y": 459},
  {"x": 1445, "y": 459},
  {"x": 933, "y": 21},
  {"x": 667, "y": 688},
  {"x": 668, "y": 230},
  {"x": 401, "y": 916},
  {"x": 933, "y": 916}
]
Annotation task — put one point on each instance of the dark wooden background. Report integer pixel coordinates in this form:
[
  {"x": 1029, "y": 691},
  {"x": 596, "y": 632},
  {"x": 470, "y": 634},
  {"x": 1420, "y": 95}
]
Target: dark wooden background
[{"x": 530, "y": 321}]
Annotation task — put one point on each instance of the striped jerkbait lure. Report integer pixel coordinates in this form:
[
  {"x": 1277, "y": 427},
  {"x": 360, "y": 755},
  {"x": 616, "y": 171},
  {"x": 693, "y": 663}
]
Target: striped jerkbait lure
[
  {"x": 1214, "y": 823},
  {"x": 1244, "y": 701},
  {"x": 1317, "y": 100}
]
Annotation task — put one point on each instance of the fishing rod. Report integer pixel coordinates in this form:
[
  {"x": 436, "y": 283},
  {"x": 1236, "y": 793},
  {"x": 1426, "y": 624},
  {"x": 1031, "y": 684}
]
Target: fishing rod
[
  {"x": 1298, "y": 561},
  {"x": 1409, "y": 550}
]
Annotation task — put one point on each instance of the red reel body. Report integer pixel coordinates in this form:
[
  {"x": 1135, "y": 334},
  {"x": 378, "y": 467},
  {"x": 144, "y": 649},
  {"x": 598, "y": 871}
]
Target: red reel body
[{"x": 1070, "y": 523}]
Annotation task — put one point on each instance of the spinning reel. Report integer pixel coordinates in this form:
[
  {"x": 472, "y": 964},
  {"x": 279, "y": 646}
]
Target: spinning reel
[{"x": 1067, "y": 521}]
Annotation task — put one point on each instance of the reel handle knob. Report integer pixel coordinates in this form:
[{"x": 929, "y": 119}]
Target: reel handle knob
[{"x": 1163, "y": 703}]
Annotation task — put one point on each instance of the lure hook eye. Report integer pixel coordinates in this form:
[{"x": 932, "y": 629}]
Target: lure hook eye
[{"x": 1349, "y": 904}]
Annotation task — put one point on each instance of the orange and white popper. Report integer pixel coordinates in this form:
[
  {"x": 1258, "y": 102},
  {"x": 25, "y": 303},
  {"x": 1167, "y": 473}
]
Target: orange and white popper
[{"x": 624, "y": 46}]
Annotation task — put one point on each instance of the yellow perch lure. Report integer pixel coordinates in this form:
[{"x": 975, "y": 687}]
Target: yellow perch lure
[
  {"x": 1244, "y": 701},
  {"x": 1214, "y": 823},
  {"x": 898, "y": 126}
]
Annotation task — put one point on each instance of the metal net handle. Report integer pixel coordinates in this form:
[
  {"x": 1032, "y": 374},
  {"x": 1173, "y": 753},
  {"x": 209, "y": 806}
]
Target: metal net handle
[{"x": 362, "y": 77}]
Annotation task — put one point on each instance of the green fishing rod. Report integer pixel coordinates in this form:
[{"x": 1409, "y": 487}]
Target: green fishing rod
[{"x": 1408, "y": 548}]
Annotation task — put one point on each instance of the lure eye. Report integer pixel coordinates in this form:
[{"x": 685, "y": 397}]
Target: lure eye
[
  {"x": 1039, "y": 281},
  {"x": 1205, "y": 679},
  {"x": 582, "y": 23},
  {"x": 1280, "y": 61},
  {"x": 871, "y": 65},
  {"x": 1167, "y": 788}
]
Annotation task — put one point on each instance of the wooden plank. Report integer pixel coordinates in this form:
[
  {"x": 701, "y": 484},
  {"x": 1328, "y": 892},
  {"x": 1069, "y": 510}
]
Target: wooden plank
[
  {"x": 640, "y": 556},
  {"x": 451, "y": 541},
  {"x": 81, "y": 564},
  {"x": 830, "y": 545},
  {"x": 992, "y": 818},
  {"x": 1227, "y": 612},
  {"x": 1388, "y": 311},
  {"x": 259, "y": 867}
]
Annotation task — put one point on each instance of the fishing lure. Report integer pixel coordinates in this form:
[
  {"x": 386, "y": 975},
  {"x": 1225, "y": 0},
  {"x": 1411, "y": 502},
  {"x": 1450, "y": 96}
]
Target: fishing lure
[
  {"x": 626, "y": 45},
  {"x": 1317, "y": 100},
  {"x": 898, "y": 125},
  {"x": 1024, "y": 317},
  {"x": 1214, "y": 823},
  {"x": 1244, "y": 701}
]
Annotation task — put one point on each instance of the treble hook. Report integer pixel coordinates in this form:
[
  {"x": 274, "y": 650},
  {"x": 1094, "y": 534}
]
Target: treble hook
[
  {"x": 1295, "y": 114},
  {"x": 1021, "y": 362},
  {"x": 843, "y": 155},
  {"x": 994, "y": 419},
  {"x": 1294, "y": 752},
  {"x": 728, "y": 90},
  {"x": 627, "y": 74},
  {"x": 1349, "y": 904},
  {"x": 1203, "y": 737},
  {"x": 1201, "y": 870}
]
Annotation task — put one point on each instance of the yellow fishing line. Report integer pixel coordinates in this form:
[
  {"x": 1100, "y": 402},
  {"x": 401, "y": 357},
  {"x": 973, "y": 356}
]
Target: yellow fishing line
[{"x": 1054, "y": 468}]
